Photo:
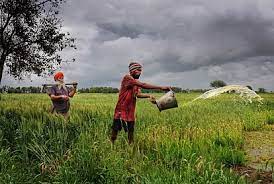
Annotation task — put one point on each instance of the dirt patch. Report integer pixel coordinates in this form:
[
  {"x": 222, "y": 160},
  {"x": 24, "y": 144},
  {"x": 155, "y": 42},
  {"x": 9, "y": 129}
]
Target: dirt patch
[
  {"x": 259, "y": 149},
  {"x": 253, "y": 175}
]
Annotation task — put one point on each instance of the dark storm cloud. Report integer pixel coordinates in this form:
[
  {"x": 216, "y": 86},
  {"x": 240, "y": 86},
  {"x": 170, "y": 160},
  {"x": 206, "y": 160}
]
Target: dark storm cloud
[
  {"x": 179, "y": 42},
  {"x": 120, "y": 30},
  {"x": 198, "y": 37}
]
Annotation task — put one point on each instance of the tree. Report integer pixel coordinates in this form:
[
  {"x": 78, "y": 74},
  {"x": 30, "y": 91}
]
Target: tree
[
  {"x": 31, "y": 37},
  {"x": 217, "y": 83},
  {"x": 103, "y": 90},
  {"x": 177, "y": 89},
  {"x": 261, "y": 90}
]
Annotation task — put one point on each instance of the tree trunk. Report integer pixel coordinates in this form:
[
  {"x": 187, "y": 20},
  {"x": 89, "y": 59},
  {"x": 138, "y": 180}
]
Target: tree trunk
[{"x": 2, "y": 61}]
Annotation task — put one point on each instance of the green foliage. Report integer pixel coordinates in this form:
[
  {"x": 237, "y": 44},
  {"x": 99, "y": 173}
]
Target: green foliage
[
  {"x": 261, "y": 90},
  {"x": 30, "y": 36},
  {"x": 103, "y": 90},
  {"x": 30, "y": 89},
  {"x": 270, "y": 120},
  {"x": 217, "y": 83},
  {"x": 9, "y": 124},
  {"x": 195, "y": 143}
]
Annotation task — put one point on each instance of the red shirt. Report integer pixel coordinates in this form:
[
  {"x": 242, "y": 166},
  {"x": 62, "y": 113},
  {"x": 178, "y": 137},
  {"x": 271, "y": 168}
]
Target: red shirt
[{"x": 125, "y": 108}]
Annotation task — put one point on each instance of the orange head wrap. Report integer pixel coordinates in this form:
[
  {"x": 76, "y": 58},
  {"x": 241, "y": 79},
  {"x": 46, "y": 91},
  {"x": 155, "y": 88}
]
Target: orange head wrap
[{"x": 58, "y": 75}]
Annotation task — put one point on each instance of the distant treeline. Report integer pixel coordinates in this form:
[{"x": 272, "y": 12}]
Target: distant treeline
[
  {"x": 99, "y": 90},
  {"x": 176, "y": 90},
  {"x": 32, "y": 89},
  {"x": 116, "y": 90}
]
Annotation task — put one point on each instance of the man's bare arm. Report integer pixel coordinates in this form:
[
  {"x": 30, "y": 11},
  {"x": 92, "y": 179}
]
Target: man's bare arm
[
  {"x": 59, "y": 97},
  {"x": 141, "y": 95},
  {"x": 150, "y": 86},
  {"x": 151, "y": 97},
  {"x": 72, "y": 93}
]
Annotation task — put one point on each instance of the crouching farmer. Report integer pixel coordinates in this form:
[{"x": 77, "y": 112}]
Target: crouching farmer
[
  {"x": 60, "y": 94},
  {"x": 124, "y": 115}
]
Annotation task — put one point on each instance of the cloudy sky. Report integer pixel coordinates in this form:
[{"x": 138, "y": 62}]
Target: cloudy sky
[{"x": 185, "y": 43}]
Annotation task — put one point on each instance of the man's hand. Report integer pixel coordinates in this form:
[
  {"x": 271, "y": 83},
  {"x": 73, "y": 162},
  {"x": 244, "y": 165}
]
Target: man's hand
[
  {"x": 65, "y": 97},
  {"x": 59, "y": 97},
  {"x": 74, "y": 84},
  {"x": 72, "y": 93},
  {"x": 152, "y": 99}
]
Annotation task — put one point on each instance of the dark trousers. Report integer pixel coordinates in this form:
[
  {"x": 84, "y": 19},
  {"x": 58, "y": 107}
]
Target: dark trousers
[{"x": 127, "y": 126}]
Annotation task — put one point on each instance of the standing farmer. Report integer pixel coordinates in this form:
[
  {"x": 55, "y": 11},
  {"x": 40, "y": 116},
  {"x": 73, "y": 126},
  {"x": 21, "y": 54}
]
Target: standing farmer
[
  {"x": 124, "y": 115},
  {"x": 60, "y": 94}
]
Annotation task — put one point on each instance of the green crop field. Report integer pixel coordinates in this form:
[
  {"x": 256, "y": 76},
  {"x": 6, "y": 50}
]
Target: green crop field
[{"x": 195, "y": 143}]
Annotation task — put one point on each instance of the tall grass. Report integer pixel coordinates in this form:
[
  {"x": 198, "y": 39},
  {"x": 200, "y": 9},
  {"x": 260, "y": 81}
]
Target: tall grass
[{"x": 195, "y": 143}]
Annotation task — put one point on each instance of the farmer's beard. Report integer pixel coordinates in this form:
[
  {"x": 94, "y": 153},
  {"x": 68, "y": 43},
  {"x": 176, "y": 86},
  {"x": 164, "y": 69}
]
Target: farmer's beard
[
  {"x": 136, "y": 76},
  {"x": 61, "y": 84}
]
